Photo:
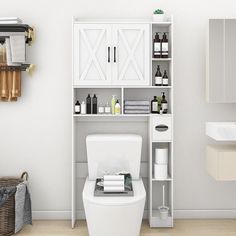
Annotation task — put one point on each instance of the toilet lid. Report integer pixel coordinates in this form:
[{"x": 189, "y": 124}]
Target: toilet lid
[{"x": 139, "y": 194}]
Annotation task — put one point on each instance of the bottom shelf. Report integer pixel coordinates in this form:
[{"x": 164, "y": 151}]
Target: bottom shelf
[{"x": 156, "y": 221}]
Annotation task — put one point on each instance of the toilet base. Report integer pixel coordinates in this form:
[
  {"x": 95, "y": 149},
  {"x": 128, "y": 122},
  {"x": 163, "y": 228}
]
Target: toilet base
[
  {"x": 114, "y": 220},
  {"x": 114, "y": 216}
]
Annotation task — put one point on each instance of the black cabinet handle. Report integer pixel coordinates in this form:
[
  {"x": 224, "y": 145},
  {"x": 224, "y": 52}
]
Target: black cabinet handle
[
  {"x": 109, "y": 54},
  {"x": 161, "y": 128},
  {"x": 114, "y": 54}
]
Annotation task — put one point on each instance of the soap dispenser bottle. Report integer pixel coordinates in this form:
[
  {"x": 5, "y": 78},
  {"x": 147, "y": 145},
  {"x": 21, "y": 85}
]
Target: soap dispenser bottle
[
  {"x": 95, "y": 104},
  {"x": 157, "y": 46},
  {"x": 164, "y": 104},
  {"x": 165, "y": 80},
  {"x": 77, "y": 107},
  {"x": 164, "y": 46},
  {"x": 88, "y": 104},
  {"x": 117, "y": 108},
  {"x": 113, "y": 103},
  {"x": 158, "y": 77},
  {"x": 154, "y": 105}
]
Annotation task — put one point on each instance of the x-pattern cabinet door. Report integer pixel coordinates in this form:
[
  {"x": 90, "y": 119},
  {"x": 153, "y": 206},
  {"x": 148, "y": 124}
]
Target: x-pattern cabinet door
[
  {"x": 92, "y": 54},
  {"x": 130, "y": 47}
]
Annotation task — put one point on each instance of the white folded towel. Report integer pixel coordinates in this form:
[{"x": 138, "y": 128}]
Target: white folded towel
[
  {"x": 113, "y": 178},
  {"x": 114, "y": 189},
  {"x": 113, "y": 183},
  {"x": 17, "y": 43}
]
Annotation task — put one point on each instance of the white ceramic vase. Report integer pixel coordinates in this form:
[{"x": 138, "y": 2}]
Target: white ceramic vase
[{"x": 158, "y": 17}]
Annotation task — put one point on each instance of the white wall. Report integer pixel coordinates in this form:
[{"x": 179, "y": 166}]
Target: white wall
[{"x": 35, "y": 132}]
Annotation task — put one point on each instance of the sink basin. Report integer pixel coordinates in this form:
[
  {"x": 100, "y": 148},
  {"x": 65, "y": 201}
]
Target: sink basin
[{"x": 221, "y": 131}]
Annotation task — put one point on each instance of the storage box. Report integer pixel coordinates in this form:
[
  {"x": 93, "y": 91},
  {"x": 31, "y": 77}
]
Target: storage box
[{"x": 162, "y": 128}]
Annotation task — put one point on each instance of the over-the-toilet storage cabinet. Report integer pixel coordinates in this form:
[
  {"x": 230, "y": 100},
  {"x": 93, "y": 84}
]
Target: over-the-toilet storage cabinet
[
  {"x": 114, "y": 57},
  {"x": 97, "y": 47}
]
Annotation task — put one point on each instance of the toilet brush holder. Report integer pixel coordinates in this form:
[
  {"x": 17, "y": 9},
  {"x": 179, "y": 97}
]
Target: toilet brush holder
[{"x": 164, "y": 211}]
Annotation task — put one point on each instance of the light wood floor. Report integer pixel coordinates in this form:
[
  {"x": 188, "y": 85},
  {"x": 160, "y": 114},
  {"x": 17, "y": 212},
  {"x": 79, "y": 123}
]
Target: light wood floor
[{"x": 182, "y": 228}]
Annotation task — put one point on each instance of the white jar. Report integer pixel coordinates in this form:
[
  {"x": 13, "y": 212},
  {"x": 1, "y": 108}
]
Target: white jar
[
  {"x": 107, "y": 109},
  {"x": 101, "y": 109}
]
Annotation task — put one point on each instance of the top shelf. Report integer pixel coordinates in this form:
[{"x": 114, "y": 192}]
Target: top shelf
[
  {"x": 120, "y": 87},
  {"x": 15, "y": 28},
  {"x": 162, "y": 24}
]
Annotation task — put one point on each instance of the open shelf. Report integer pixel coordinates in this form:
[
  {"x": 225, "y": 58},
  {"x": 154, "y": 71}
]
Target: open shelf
[
  {"x": 121, "y": 115},
  {"x": 156, "y": 221},
  {"x": 162, "y": 24},
  {"x": 168, "y": 179},
  {"x": 161, "y": 59},
  {"x": 119, "y": 86}
]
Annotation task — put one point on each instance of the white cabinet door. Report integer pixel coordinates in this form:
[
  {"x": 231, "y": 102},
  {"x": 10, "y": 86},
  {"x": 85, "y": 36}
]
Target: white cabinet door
[
  {"x": 130, "y": 54},
  {"x": 92, "y": 54}
]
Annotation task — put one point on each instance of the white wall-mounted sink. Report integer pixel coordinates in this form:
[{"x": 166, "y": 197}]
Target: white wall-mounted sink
[{"x": 221, "y": 131}]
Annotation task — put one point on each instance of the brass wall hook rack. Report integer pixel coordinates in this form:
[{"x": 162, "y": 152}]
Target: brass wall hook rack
[{"x": 11, "y": 67}]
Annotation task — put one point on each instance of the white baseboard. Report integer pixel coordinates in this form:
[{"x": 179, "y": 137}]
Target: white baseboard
[
  {"x": 178, "y": 214},
  {"x": 205, "y": 214}
]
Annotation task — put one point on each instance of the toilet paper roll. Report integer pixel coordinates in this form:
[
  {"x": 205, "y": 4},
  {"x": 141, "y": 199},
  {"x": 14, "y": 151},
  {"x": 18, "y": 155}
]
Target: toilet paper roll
[
  {"x": 113, "y": 183},
  {"x": 161, "y": 156},
  {"x": 114, "y": 189},
  {"x": 113, "y": 177},
  {"x": 160, "y": 171}
]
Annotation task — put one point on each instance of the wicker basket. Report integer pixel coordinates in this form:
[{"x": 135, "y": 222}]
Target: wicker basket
[{"x": 7, "y": 211}]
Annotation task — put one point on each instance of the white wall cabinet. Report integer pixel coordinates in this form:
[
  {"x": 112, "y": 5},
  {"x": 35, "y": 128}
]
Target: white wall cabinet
[
  {"x": 220, "y": 61},
  {"x": 111, "y": 54}
]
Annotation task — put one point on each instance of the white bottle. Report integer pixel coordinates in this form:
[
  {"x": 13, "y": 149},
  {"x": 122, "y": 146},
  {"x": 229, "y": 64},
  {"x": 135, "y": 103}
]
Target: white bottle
[
  {"x": 83, "y": 108},
  {"x": 117, "y": 108}
]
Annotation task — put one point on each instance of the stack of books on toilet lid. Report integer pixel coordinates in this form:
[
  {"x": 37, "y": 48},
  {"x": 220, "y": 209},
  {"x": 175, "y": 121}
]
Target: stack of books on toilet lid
[{"x": 111, "y": 186}]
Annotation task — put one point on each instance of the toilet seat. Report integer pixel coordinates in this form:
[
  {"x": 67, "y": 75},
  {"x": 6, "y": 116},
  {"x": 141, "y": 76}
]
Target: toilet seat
[{"x": 139, "y": 195}]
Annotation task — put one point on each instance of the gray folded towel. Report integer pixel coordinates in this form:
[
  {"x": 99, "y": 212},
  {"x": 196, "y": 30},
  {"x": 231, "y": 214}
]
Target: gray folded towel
[
  {"x": 137, "y": 112},
  {"x": 127, "y": 107},
  {"x": 137, "y": 103}
]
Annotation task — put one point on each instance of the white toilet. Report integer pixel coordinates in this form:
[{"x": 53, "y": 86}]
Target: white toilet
[{"x": 114, "y": 216}]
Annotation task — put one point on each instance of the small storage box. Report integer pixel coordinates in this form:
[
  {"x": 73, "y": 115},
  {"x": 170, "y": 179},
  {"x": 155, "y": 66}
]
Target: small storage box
[{"x": 162, "y": 128}]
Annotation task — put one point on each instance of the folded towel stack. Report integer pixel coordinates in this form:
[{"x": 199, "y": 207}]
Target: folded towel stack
[
  {"x": 137, "y": 107},
  {"x": 114, "y": 183}
]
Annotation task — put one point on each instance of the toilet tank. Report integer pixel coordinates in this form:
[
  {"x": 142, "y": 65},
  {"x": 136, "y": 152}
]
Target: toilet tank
[{"x": 113, "y": 153}]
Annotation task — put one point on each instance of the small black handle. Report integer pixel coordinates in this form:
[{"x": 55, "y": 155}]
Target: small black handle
[
  {"x": 114, "y": 54},
  {"x": 109, "y": 54},
  {"x": 161, "y": 128}
]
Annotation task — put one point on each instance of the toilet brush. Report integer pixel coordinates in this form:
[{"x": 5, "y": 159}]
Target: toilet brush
[{"x": 163, "y": 209}]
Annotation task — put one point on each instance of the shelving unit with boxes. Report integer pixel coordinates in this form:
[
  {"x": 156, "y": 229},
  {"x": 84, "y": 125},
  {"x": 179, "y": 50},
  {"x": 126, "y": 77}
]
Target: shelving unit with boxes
[{"x": 104, "y": 66}]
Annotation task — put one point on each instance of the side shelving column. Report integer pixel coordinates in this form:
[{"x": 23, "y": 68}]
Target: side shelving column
[{"x": 159, "y": 139}]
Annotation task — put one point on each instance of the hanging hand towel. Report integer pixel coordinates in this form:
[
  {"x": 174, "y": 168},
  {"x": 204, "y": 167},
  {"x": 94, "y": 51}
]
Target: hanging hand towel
[{"x": 17, "y": 46}]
